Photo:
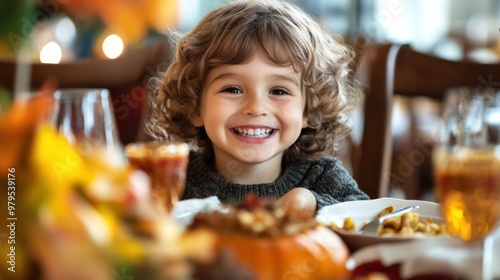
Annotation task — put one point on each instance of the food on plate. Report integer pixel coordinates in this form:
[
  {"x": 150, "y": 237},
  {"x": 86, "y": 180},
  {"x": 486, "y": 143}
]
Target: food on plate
[
  {"x": 273, "y": 244},
  {"x": 349, "y": 224},
  {"x": 410, "y": 224},
  {"x": 405, "y": 225},
  {"x": 387, "y": 210}
]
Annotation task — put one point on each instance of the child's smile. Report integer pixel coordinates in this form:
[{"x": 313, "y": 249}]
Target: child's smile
[{"x": 253, "y": 132}]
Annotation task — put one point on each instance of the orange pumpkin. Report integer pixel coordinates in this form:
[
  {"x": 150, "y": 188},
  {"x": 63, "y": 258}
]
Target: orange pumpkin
[
  {"x": 317, "y": 254},
  {"x": 271, "y": 243}
]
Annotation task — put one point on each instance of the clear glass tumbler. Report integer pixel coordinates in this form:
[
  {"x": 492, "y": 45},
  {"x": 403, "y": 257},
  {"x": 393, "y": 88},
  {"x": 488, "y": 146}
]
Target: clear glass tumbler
[
  {"x": 467, "y": 170},
  {"x": 467, "y": 162},
  {"x": 85, "y": 117}
]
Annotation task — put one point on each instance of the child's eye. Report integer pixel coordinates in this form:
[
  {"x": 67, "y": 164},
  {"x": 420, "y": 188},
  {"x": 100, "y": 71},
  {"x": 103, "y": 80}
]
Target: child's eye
[
  {"x": 279, "y": 91},
  {"x": 231, "y": 90}
]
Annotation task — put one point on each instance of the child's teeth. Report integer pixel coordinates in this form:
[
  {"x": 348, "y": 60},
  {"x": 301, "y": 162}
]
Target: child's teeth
[{"x": 250, "y": 132}]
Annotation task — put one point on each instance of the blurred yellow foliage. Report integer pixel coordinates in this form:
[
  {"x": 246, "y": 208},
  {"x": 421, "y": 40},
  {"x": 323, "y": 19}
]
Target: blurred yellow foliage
[
  {"x": 17, "y": 125},
  {"x": 84, "y": 216},
  {"x": 57, "y": 161}
]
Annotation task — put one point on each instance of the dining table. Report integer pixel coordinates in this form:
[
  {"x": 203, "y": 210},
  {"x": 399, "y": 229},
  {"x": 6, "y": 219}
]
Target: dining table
[{"x": 436, "y": 257}]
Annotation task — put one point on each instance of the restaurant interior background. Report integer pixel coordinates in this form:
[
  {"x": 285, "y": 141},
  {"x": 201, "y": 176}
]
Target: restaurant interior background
[
  {"x": 60, "y": 30},
  {"x": 56, "y": 31}
]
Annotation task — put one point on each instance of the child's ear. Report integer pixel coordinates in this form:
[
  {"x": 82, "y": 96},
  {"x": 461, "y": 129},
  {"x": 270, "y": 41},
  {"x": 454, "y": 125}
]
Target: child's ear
[{"x": 196, "y": 120}]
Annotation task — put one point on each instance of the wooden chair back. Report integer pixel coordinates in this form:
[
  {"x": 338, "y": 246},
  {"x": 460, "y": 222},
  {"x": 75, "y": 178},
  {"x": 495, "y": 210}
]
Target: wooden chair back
[
  {"x": 126, "y": 77},
  {"x": 389, "y": 70}
]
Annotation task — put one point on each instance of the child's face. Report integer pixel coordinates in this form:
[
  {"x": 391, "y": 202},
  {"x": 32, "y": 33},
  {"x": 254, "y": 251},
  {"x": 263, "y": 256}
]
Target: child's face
[{"x": 252, "y": 112}]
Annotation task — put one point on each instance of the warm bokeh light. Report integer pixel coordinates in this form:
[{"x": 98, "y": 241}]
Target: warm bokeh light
[
  {"x": 112, "y": 46},
  {"x": 51, "y": 53}
]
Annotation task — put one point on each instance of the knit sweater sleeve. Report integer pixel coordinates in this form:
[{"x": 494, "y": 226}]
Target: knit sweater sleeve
[{"x": 331, "y": 183}]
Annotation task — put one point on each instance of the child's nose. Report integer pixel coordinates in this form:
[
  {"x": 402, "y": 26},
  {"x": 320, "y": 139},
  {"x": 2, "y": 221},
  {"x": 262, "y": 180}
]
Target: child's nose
[{"x": 255, "y": 105}]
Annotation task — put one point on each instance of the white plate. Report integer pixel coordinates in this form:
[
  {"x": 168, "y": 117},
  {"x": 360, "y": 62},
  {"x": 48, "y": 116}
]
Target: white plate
[
  {"x": 362, "y": 211},
  {"x": 185, "y": 210}
]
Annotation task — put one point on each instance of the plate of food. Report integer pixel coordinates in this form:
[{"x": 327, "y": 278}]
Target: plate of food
[{"x": 347, "y": 218}]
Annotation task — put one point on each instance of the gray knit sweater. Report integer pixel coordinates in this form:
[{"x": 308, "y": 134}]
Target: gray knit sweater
[{"x": 326, "y": 178}]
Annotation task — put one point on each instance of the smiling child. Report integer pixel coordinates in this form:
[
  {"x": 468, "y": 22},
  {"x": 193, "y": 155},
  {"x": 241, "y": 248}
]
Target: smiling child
[{"x": 260, "y": 91}]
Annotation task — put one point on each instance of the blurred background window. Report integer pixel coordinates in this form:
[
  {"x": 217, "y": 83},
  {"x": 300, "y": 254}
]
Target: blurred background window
[{"x": 59, "y": 30}]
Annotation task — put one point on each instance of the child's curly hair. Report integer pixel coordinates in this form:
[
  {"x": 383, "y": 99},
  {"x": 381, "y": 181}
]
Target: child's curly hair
[{"x": 287, "y": 36}]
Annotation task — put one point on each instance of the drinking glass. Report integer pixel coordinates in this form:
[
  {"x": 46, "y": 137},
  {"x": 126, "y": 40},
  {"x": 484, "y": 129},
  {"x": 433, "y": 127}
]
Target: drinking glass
[
  {"x": 467, "y": 162},
  {"x": 491, "y": 256},
  {"x": 165, "y": 163},
  {"x": 85, "y": 117}
]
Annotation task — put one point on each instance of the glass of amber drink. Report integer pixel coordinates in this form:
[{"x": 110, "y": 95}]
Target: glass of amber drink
[
  {"x": 467, "y": 162},
  {"x": 165, "y": 163}
]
